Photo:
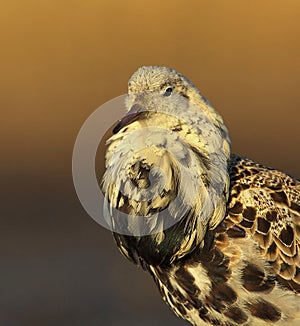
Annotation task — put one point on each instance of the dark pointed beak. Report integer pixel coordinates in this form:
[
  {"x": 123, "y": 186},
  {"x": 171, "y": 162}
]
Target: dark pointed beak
[{"x": 131, "y": 116}]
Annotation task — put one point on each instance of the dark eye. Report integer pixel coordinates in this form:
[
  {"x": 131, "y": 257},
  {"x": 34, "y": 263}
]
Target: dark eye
[{"x": 168, "y": 91}]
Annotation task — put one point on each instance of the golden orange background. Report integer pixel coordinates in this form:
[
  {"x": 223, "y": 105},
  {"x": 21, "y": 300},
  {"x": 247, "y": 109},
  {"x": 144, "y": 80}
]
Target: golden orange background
[{"x": 59, "y": 61}]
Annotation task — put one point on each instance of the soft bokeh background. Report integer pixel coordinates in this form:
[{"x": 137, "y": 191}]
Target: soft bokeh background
[{"x": 59, "y": 61}]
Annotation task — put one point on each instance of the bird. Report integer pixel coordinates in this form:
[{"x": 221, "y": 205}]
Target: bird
[{"x": 218, "y": 232}]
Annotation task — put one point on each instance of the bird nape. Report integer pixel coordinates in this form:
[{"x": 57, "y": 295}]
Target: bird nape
[{"x": 218, "y": 233}]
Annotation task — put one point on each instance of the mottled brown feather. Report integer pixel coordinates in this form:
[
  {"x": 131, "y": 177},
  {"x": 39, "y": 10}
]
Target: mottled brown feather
[{"x": 270, "y": 212}]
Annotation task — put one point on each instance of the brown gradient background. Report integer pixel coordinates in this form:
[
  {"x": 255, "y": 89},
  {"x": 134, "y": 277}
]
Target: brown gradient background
[{"x": 59, "y": 61}]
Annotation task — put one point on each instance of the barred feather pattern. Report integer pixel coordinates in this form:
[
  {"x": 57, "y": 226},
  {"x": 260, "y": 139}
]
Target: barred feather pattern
[
  {"x": 231, "y": 254},
  {"x": 248, "y": 270}
]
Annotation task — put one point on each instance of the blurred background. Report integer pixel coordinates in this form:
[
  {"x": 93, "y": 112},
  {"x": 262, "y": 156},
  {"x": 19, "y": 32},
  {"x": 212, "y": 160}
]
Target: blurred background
[{"x": 59, "y": 61}]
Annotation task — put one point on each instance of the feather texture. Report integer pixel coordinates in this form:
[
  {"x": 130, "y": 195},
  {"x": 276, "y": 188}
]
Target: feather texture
[{"x": 218, "y": 233}]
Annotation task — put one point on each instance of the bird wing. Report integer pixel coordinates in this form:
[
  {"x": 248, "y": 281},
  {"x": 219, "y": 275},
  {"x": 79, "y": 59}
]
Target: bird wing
[{"x": 266, "y": 204}]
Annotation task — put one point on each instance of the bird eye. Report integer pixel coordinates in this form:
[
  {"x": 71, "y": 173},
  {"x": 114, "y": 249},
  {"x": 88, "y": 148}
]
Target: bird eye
[{"x": 168, "y": 91}]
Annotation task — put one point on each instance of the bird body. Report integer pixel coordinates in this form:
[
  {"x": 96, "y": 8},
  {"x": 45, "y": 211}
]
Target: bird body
[{"x": 218, "y": 233}]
